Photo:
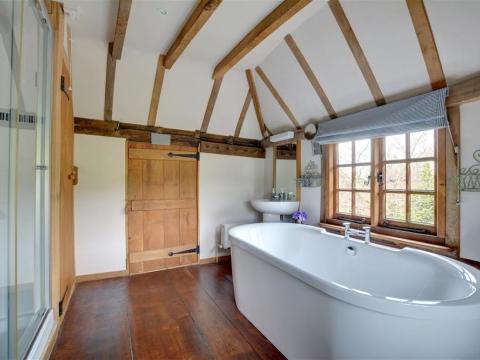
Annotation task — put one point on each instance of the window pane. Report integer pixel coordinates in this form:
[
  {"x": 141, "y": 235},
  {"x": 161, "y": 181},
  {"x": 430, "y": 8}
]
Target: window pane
[
  {"x": 395, "y": 147},
  {"x": 362, "y": 177},
  {"x": 422, "y": 175},
  {"x": 345, "y": 202},
  {"x": 422, "y": 144},
  {"x": 363, "y": 152},
  {"x": 395, "y": 175},
  {"x": 362, "y": 204},
  {"x": 345, "y": 177},
  {"x": 345, "y": 153},
  {"x": 395, "y": 206},
  {"x": 422, "y": 209}
]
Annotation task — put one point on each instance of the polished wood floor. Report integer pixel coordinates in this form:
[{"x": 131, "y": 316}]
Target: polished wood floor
[{"x": 183, "y": 313}]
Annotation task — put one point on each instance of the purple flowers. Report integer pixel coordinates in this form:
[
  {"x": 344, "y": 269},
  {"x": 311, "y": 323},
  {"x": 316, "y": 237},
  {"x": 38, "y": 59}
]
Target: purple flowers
[{"x": 299, "y": 216}]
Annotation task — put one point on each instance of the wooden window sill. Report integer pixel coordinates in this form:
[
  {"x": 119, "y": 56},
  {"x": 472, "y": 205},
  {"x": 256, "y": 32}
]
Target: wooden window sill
[{"x": 388, "y": 240}]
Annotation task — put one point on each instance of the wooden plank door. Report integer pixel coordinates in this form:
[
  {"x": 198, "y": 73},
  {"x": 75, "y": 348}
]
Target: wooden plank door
[
  {"x": 67, "y": 181},
  {"x": 162, "y": 206}
]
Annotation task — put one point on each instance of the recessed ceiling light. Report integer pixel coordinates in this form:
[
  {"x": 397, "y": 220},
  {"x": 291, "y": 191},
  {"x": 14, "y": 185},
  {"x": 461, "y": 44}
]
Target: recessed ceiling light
[{"x": 162, "y": 11}]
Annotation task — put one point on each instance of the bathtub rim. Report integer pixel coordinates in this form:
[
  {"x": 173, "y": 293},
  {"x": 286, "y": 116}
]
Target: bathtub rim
[{"x": 459, "y": 309}]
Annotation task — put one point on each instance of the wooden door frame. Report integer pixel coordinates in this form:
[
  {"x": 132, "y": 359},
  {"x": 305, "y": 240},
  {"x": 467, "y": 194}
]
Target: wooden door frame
[{"x": 128, "y": 202}]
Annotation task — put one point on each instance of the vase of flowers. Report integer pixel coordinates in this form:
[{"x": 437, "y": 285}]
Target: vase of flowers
[{"x": 299, "y": 216}]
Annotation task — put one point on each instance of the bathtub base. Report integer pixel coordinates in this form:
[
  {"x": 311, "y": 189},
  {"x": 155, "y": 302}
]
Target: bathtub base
[{"x": 305, "y": 323}]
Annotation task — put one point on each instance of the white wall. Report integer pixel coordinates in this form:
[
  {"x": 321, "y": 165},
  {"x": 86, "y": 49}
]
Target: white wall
[
  {"x": 311, "y": 197},
  {"x": 100, "y": 243},
  {"x": 227, "y": 184},
  {"x": 470, "y": 201}
]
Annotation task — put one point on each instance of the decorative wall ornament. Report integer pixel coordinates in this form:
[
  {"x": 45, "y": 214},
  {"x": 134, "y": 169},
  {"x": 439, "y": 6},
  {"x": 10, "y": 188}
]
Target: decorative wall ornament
[
  {"x": 311, "y": 176},
  {"x": 469, "y": 178}
]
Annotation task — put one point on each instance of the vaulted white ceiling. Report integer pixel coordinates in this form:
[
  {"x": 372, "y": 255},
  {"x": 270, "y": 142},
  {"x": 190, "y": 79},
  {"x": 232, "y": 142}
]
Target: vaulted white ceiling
[{"x": 383, "y": 28}]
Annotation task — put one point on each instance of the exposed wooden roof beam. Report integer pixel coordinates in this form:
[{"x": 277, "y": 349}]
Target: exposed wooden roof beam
[
  {"x": 464, "y": 92},
  {"x": 243, "y": 113},
  {"x": 269, "y": 24},
  {"x": 121, "y": 28},
  {"x": 357, "y": 51},
  {"x": 109, "y": 84},
  {"x": 310, "y": 75},
  {"x": 156, "y": 91},
  {"x": 256, "y": 103},
  {"x": 190, "y": 29},
  {"x": 427, "y": 43},
  {"x": 211, "y": 104},
  {"x": 278, "y": 97}
]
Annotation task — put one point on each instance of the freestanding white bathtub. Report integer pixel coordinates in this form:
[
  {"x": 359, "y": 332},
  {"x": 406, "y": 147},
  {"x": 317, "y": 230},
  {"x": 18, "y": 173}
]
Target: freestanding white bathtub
[{"x": 315, "y": 298}]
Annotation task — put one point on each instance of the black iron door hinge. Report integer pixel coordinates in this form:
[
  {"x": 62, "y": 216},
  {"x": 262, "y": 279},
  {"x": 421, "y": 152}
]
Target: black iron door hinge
[
  {"x": 188, "y": 251},
  {"x": 193, "y": 156}
]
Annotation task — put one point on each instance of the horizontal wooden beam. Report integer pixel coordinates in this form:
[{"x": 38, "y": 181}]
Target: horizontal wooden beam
[
  {"x": 121, "y": 28},
  {"x": 142, "y": 133},
  {"x": 235, "y": 150},
  {"x": 268, "y": 25},
  {"x": 190, "y": 29},
  {"x": 464, "y": 92}
]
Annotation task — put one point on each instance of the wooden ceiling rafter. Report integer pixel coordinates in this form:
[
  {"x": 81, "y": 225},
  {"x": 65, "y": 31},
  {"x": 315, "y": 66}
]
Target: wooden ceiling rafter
[
  {"x": 197, "y": 19},
  {"x": 243, "y": 114},
  {"x": 422, "y": 27},
  {"x": 358, "y": 54},
  {"x": 114, "y": 53},
  {"x": 302, "y": 61},
  {"x": 217, "y": 83},
  {"x": 281, "y": 14},
  {"x": 156, "y": 91},
  {"x": 123, "y": 14},
  {"x": 278, "y": 97},
  {"x": 256, "y": 104}
]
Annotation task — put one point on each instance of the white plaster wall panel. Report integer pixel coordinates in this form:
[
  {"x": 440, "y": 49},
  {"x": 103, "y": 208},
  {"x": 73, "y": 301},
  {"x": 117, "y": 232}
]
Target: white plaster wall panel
[
  {"x": 326, "y": 50},
  {"x": 386, "y": 34},
  {"x": 250, "y": 127},
  {"x": 89, "y": 59},
  {"x": 94, "y": 19},
  {"x": 100, "y": 243},
  {"x": 153, "y": 25},
  {"x": 134, "y": 77},
  {"x": 226, "y": 186},
  {"x": 470, "y": 201},
  {"x": 311, "y": 197},
  {"x": 229, "y": 103},
  {"x": 456, "y": 28},
  {"x": 185, "y": 92},
  {"x": 273, "y": 115},
  {"x": 290, "y": 81}
]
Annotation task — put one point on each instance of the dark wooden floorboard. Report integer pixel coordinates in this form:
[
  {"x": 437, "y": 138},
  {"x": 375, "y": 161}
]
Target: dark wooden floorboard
[{"x": 183, "y": 313}]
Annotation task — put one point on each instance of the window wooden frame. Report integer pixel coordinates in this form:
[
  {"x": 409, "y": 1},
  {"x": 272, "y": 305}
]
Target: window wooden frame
[{"x": 434, "y": 234}]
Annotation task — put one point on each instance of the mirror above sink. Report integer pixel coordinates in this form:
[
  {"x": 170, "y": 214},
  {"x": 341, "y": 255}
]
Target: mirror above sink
[{"x": 285, "y": 172}]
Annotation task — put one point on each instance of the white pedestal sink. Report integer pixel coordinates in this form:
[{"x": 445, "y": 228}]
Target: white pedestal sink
[{"x": 273, "y": 209}]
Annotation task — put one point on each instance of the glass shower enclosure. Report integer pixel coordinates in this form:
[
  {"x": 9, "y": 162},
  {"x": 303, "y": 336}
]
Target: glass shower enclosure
[{"x": 25, "y": 72}]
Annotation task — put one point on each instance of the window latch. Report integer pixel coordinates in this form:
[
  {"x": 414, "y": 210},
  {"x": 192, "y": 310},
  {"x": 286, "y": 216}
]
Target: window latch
[{"x": 380, "y": 178}]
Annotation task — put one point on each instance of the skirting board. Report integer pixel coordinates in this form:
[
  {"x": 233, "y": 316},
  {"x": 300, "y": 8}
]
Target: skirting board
[
  {"x": 101, "y": 276},
  {"x": 215, "y": 259}
]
